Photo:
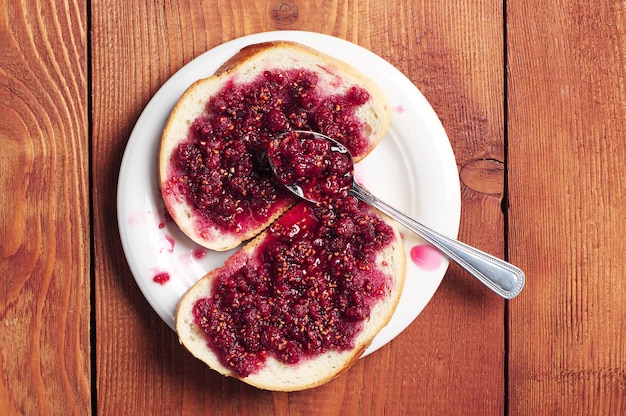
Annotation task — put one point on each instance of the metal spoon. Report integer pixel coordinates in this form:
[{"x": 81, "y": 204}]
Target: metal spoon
[{"x": 503, "y": 278}]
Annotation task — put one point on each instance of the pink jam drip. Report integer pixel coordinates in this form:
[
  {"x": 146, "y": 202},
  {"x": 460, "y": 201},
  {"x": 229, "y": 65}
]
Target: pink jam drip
[
  {"x": 426, "y": 257},
  {"x": 198, "y": 253},
  {"x": 141, "y": 218},
  {"x": 186, "y": 258},
  {"x": 166, "y": 245}
]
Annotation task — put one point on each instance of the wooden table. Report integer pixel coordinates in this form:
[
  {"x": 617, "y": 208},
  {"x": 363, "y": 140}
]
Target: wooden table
[{"x": 533, "y": 98}]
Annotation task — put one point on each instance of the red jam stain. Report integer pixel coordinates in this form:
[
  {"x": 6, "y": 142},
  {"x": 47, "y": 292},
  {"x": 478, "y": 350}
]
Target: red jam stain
[
  {"x": 161, "y": 278},
  {"x": 222, "y": 168},
  {"x": 307, "y": 289},
  {"x": 426, "y": 257},
  {"x": 311, "y": 164},
  {"x": 187, "y": 257},
  {"x": 198, "y": 253}
]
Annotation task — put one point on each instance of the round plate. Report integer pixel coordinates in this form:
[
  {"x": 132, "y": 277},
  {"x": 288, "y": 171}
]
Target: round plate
[{"x": 413, "y": 168}]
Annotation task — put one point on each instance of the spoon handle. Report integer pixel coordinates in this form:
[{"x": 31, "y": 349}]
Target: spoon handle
[{"x": 503, "y": 278}]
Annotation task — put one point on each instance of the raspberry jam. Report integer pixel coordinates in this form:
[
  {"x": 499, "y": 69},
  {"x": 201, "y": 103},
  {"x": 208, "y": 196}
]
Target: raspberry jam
[
  {"x": 305, "y": 290},
  {"x": 314, "y": 167},
  {"x": 161, "y": 278},
  {"x": 222, "y": 170}
]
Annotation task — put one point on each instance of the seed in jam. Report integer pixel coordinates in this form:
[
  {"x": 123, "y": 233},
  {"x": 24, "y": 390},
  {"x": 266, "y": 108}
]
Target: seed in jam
[
  {"x": 307, "y": 289},
  {"x": 222, "y": 170},
  {"x": 312, "y": 166}
]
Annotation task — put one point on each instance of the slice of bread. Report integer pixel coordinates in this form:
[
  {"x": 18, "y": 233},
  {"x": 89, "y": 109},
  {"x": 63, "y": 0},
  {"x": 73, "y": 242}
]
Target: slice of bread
[
  {"x": 334, "y": 77},
  {"x": 311, "y": 370}
]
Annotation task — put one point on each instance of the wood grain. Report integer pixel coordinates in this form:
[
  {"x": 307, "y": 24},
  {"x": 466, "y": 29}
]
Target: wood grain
[
  {"x": 566, "y": 142},
  {"x": 562, "y": 166},
  {"x": 44, "y": 216},
  {"x": 453, "y": 52}
]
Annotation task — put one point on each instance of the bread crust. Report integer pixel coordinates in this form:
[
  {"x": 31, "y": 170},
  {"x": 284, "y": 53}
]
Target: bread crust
[{"x": 244, "y": 65}]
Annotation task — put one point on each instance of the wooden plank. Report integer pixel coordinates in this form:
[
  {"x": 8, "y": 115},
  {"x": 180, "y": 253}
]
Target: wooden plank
[
  {"x": 566, "y": 163},
  {"x": 451, "y": 359},
  {"x": 44, "y": 216}
]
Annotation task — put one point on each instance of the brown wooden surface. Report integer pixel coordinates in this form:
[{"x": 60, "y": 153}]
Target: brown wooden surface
[
  {"x": 567, "y": 154},
  {"x": 533, "y": 98},
  {"x": 45, "y": 219}
]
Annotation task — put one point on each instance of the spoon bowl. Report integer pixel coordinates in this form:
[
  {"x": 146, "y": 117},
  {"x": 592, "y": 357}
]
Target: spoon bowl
[
  {"x": 312, "y": 166},
  {"x": 320, "y": 169}
]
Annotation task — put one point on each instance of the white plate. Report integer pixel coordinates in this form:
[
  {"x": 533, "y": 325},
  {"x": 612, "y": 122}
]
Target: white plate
[{"x": 413, "y": 168}]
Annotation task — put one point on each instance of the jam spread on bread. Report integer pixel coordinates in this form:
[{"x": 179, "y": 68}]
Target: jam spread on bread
[
  {"x": 306, "y": 289},
  {"x": 222, "y": 168}
]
